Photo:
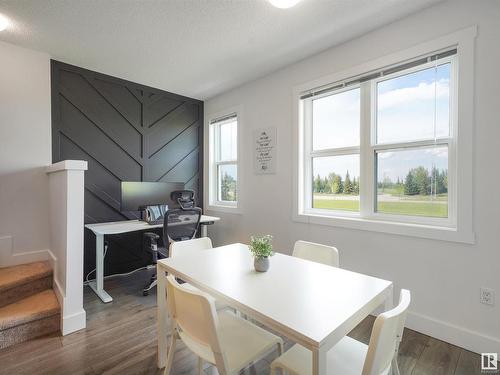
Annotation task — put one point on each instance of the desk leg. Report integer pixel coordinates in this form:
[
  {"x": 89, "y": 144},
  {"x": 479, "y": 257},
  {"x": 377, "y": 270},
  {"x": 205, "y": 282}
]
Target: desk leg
[
  {"x": 98, "y": 285},
  {"x": 319, "y": 362},
  {"x": 161, "y": 295},
  {"x": 204, "y": 231}
]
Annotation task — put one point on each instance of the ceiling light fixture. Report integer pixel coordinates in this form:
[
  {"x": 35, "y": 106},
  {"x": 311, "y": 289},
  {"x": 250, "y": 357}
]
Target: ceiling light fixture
[
  {"x": 284, "y": 4},
  {"x": 4, "y": 22}
]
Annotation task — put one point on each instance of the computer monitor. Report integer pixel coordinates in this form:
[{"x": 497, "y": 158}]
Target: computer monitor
[{"x": 138, "y": 195}]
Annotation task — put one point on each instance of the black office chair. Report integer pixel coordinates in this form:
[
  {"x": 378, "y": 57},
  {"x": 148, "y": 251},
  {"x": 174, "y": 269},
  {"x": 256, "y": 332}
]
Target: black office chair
[
  {"x": 185, "y": 198},
  {"x": 178, "y": 225}
]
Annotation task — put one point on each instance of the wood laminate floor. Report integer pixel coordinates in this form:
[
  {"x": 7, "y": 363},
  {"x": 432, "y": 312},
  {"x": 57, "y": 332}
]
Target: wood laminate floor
[{"x": 121, "y": 339}]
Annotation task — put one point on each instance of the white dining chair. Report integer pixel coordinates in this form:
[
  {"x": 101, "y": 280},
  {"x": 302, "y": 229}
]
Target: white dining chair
[
  {"x": 220, "y": 338},
  {"x": 351, "y": 357},
  {"x": 316, "y": 252},
  {"x": 188, "y": 247}
]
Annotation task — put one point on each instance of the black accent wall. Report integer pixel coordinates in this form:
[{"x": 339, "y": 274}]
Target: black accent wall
[{"x": 126, "y": 132}]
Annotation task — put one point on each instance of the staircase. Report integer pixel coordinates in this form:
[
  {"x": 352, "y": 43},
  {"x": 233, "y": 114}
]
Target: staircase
[{"x": 28, "y": 305}]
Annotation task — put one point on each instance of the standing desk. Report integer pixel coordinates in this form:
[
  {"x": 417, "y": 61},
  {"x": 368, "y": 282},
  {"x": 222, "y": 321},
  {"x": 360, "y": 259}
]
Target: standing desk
[{"x": 117, "y": 227}]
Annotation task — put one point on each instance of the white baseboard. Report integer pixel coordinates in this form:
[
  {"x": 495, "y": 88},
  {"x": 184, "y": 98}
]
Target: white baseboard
[
  {"x": 74, "y": 322},
  {"x": 10, "y": 258},
  {"x": 69, "y": 322},
  {"x": 474, "y": 341},
  {"x": 59, "y": 293}
]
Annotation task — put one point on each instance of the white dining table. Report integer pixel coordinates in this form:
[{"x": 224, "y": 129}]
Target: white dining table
[{"x": 312, "y": 304}]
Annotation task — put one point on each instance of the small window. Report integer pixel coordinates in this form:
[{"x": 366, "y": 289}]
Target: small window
[{"x": 224, "y": 161}]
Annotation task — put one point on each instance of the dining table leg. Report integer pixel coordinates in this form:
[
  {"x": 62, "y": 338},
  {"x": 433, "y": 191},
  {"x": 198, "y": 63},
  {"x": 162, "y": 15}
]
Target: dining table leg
[
  {"x": 162, "y": 316},
  {"x": 319, "y": 361}
]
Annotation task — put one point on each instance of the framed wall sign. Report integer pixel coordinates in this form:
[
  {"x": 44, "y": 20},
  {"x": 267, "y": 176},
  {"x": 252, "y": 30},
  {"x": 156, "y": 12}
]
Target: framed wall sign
[{"x": 265, "y": 150}]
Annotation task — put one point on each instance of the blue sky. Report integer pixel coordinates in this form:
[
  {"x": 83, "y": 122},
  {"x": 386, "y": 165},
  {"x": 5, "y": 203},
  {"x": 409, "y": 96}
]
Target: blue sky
[
  {"x": 414, "y": 106},
  {"x": 410, "y": 107},
  {"x": 228, "y": 133}
]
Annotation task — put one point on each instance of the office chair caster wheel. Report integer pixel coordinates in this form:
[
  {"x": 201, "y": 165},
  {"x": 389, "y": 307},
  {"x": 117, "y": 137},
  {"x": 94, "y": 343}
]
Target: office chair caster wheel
[{"x": 145, "y": 293}]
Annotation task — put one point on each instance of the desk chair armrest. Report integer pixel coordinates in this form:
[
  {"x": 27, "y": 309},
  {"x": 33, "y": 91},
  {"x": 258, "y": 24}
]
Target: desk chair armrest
[{"x": 151, "y": 236}]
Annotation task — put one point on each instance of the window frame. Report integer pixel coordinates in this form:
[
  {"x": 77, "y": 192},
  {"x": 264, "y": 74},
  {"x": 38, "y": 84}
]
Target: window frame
[
  {"x": 310, "y": 153},
  {"x": 458, "y": 226},
  {"x": 448, "y": 141},
  {"x": 214, "y": 123}
]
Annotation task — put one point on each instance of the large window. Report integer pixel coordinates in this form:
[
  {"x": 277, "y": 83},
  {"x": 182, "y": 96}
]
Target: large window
[
  {"x": 381, "y": 145},
  {"x": 224, "y": 161}
]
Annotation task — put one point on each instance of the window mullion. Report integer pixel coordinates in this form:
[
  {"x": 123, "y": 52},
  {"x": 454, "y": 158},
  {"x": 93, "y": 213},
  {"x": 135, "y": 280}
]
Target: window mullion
[
  {"x": 217, "y": 142},
  {"x": 308, "y": 141},
  {"x": 226, "y": 162},
  {"x": 366, "y": 185},
  {"x": 336, "y": 151},
  {"x": 409, "y": 144}
]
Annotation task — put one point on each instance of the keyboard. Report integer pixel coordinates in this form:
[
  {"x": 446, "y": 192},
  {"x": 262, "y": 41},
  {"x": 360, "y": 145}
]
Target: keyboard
[
  {"x": 160, "y": 221},
  {"x": 156, "y": 222}
]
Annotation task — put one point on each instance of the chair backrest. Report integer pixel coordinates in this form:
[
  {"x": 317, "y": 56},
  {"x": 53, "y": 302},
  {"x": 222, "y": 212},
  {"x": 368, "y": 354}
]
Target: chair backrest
[
  {"x": 316, "y": 252},
  {"x": 386, "y": 335},
  {"x": 181, "y": 224},
  {"x": 190, "y": 246},
  {"x": 195, "y": 320}
]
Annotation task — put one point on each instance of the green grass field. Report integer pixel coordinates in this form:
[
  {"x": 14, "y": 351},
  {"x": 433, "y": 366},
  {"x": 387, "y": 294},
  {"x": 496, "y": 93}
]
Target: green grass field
[
  {"x": 344, "y": 205},
  {"x": 397, "y": 193},
  {"x": 407, "y": 207}
]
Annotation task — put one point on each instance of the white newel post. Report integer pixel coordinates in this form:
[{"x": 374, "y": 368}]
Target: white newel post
[{"x": 66, "y": 186}]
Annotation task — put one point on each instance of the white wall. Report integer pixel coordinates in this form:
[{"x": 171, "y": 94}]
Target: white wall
[
  {"x": 25, "y": 151},
  {"x": 444, "y": 277},
  {"x": 39, "y": 219}
]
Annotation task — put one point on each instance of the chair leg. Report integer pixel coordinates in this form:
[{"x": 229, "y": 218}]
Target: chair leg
[
  {"x": 274, "y": 370},
  {"x": 148, "y": 287},
  {"x": 394, "y": 366},
  {"x": 171, "y": 353},
  {"x": 280, "y": 352},
  {"x": 200, "y": 366}
]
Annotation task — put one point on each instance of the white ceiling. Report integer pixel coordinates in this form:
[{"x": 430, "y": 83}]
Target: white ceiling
[{"x": 192, "y": 47}]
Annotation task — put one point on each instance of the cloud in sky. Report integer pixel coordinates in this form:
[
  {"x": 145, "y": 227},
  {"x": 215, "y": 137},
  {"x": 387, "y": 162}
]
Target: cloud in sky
[
  {"x": 410, "y": 107},
  {"x": 408, "y": 95}
]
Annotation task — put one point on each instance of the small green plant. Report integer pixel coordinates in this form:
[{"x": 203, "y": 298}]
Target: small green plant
[{"x": 261, "y": 247}]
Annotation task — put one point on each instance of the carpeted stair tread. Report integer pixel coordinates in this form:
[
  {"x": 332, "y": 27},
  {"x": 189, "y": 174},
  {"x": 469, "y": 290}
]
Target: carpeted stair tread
[
  {"x": 11, "y": 277},
  {"x": 35, "y": 307}
]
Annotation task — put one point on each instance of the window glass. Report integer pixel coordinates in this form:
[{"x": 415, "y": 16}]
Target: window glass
[
  {"x": 336, "y": 182},
  {"x": 227, "y": 179},
  {"x": 228, "y": 143},
  {"x": 413, "y": 181},
  {"x": 336, "y": 120},
  {"x": 393, "y": 130},
  {"x": 414, "y": 106}
]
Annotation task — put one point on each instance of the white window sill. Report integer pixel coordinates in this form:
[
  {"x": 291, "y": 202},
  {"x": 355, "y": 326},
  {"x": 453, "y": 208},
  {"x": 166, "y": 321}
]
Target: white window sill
[
  {"x": 223, "y": 208},
  {"x": 434, "y": 232}
]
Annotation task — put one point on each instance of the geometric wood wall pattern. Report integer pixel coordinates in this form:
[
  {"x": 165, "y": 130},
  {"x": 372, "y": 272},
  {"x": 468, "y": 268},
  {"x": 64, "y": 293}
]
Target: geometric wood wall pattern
[{"x": 126, "y": 132}]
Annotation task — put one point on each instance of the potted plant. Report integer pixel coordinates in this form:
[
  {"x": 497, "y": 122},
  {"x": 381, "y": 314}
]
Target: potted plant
[{"x": 261, "y": 249}]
